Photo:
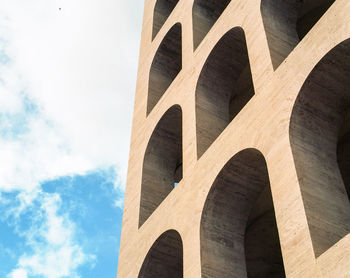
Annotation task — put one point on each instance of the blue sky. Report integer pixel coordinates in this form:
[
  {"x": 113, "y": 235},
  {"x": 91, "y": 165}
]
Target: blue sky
[{"x": 67, "y": 81}]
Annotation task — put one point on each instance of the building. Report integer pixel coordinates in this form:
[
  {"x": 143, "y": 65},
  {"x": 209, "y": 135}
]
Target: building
[{"x": 240, "y": 151}]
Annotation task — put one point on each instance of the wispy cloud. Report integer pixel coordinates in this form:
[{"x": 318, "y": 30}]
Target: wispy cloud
[
  {"x": 53, "y": 249},
  {"x": 18, "y": 273}
]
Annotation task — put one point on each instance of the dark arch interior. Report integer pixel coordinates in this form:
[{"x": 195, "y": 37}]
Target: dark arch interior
[
  {"x": 343, "y": 151},
  {"x": 162, "y": 10},
  {"x": 164, "y": 260},
  {"x": 224, "y": 87},
  {"x": 162, "y": 165},
  {"x": 286, "y": 22},
  {"x": 320, "y": 141},
  {"x": 204, "y": 15},
  {"x": 239, "y": 236},
  {"x": 166, "y": 65}
]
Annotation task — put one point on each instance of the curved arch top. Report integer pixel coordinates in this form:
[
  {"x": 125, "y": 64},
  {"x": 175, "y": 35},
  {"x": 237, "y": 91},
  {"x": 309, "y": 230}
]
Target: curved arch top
[
  {"x": 224, "y": 87},
  {"x": 320, "y": 140},
  {"x": 162, "y": 10},
  {"x": 166, "y": 65},
  {"x": 165, "y": 258},
  {"x": 204, "y": 15},
  {"x": 239, "y": 236},
  {"x": 286, "y": 22},
  {"x": 162, "y": 164}
]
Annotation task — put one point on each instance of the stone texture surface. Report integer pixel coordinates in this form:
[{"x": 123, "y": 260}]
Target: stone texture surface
[{"x": 264, "y": 171}]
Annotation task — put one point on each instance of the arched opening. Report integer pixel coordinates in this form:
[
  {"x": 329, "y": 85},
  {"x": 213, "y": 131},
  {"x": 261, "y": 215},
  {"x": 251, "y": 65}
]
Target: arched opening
[
  {"x": 224, "y": 87},
  {"x": 204, "y": 15},
  {"x": 164, "y": 260},
  {"x": 166, "y": 65},
  {"x": 319, "y": 137},
  {"x": 239, "y": 236},
  {"x": 162, "y": 10},
  {"x": 286, "y": 22},
  {"x": 162, "y": 164}
]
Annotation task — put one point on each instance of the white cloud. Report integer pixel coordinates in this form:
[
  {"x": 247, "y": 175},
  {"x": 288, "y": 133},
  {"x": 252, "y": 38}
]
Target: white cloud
[
  {"x": 119, "y": 203},
  {"x": 51, "y": 238},
  {"x": 18, "y": 273},
  {"x": 78, "y": 65}
]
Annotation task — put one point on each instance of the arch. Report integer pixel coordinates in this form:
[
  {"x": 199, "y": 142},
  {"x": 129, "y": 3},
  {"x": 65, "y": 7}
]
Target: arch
[
  {"x": 319, "y": 136},
  {"x": 162, "y": 10},
  {"x": 165, "y": 258},
  {"x": 224, "y": 87},
  {"x": 204, "y": 15},
  {"x": 239, "y": 236},
  {"x": 162, "y": 164},
  {"x": 166, "y": 65},
  {"x": 286, "y": 22}
]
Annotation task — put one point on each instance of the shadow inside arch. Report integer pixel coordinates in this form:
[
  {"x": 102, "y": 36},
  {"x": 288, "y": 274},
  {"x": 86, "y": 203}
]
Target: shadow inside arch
[
  {"x": 166, "y": 65},
  {"x": 162, "y": 10},
  {"x": 204, "y": 15},
  {"x": 239, "y": 236},
  {"x": 320, "y": 140},
  {"x": 287, "y": 22},
  {"x": 162, "y": 163},
  {"x": 224, "y": 87},
  {"x": 165, "y": 258}
]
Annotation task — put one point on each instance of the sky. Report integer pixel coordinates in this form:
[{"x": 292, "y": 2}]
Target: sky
[{"x": 67, "y": 82}]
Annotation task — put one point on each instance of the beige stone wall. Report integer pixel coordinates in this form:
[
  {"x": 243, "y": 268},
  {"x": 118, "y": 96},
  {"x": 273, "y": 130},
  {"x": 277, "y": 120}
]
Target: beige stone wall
[{"x": 286, "y": 111}]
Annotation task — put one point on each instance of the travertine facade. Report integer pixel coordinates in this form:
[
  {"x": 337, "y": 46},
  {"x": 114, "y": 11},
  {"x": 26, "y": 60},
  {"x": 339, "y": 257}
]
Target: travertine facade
[{"x": 240, "y": 151}]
